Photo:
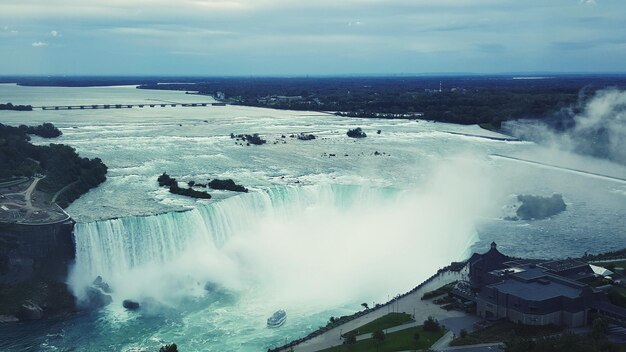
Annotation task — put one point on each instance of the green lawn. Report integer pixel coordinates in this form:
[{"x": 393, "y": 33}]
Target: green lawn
[
  {"x": 397, "y": 341},
  {"x": 503, "y": 331},
  {"x": 387, "y": 321}
]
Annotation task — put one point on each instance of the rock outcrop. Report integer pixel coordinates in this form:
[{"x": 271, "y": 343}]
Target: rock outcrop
[
  {"x": 130, "y": 304},
  {"x": 30, "y": 310},
  {"x": 538, "y": 208},
  {"x": 356, "y": 133},
  {"x": 96, "y": 298},
  {"x": 227, "y": 185},
  {"x": 34, "y": 262}
]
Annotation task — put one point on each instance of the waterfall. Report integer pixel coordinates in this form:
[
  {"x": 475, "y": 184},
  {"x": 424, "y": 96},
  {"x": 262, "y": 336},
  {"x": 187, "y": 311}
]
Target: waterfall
[{"x": 304, "y": 237}]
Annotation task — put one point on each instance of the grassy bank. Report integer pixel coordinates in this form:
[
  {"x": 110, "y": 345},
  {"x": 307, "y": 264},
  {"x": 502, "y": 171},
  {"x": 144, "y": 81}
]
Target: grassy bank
[
  {"x": 505, "y": 331},
  {"x": 385, "y": 322},
  {"x": 397, "y": 341}
]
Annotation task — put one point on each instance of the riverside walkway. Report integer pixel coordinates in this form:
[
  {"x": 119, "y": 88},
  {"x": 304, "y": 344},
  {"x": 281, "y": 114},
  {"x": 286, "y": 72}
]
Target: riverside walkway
[
  {"x": 21, "y": 204},
  {"x": 411, "y": 303}
]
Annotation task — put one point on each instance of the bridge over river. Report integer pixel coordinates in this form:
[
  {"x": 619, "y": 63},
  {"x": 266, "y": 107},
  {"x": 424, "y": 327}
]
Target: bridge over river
[{"x": 126, "y": 106}]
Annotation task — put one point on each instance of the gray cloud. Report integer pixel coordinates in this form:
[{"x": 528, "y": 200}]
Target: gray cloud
[{"x": 378, "y": 36}]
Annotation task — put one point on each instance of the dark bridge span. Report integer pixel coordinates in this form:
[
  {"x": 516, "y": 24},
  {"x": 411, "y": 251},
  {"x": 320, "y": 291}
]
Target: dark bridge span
[{"x": 124, "y": 106}]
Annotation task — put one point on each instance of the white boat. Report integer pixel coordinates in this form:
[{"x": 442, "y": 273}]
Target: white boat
[{"x": 277, "y": 319}]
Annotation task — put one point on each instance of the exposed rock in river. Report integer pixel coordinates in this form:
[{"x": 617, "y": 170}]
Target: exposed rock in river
[
  {"x": 30, "y": 311},
  {"x": 356, "y": 133},
  {"x": 537, "y": 207},
  {"x": 228, "y": 185},
  {"x": 98, "y": 294},
  {"x": 99, "y": 283},
  {"x": 130, "y": 304},
  {"x": 96, "y": 298},
  {"x": 8, "y": 319}
]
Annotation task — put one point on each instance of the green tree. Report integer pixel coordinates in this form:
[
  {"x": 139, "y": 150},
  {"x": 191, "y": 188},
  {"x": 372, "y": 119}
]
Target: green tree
[
  {"x": 416, "y": 338},
  {"x": 169, "y": 348},
  {"x": 378, "y": 335},
  {"x": 431, "y": 324},
  {"x": 599, "y": 328}
]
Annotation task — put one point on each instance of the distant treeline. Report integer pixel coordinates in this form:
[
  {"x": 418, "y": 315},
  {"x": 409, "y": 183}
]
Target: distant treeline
[
  {"x": 463, "y": 100},
  {"x": 468, "y": 99},
  {"x": 62, "y": 166},
  {"x": 10, "y": 106}
]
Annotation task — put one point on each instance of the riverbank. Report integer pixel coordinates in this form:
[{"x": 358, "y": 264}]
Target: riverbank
[{"x": 410, "y": 302}]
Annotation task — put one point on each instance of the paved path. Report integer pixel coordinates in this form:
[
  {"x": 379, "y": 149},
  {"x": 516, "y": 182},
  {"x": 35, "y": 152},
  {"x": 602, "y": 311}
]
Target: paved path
[
  {"x": 410, "y": 304},
  {"x": 485, "y": 347},
  {"x": 28, "y": 195},
  {"x": 443, "y": 344},
  {"x": 56, "y": 195},
  {"x": 23, "y": 211}
]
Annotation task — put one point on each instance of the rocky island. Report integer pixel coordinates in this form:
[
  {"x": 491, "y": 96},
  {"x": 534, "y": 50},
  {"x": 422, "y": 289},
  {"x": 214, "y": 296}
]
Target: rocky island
[
  {"x": 538, "y": 208},
  {"x": 10, "y": 106},
  {"x": 166, "y": 180},
  {"x": 356, "y": 133}
]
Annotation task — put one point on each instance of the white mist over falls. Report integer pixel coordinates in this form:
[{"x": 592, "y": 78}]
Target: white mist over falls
[
  {"x": 289, "y": 244},
  {"x": 598, "y": 127},
  {"x": 317, "y": 235}
]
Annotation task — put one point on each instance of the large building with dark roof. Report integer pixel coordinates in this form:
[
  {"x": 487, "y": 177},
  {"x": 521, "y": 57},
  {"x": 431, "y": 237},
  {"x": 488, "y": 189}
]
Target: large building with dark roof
[{"x": 535, "y": 292}]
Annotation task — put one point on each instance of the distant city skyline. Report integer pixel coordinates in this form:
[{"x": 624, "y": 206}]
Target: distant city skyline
[{"x": 324, "y": 37}]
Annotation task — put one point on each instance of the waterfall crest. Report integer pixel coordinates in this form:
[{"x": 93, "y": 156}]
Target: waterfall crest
[{"x": 297, "y": 238}]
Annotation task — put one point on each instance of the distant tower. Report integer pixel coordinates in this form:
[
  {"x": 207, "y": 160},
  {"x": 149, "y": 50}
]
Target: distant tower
[
  {"x": 494, "y": 245},
  {"x": 439, "y": 86}
]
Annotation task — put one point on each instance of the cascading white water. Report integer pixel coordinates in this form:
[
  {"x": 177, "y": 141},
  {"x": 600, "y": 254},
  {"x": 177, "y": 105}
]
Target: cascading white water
[
  {"x": 113, "y": 248},
  {"x": 304, "y": 237}
]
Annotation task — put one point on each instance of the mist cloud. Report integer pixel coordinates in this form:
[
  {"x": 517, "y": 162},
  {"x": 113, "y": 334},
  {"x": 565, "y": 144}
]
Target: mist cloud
[
  {"x": 317, "y": 246},
  {"x": 596, "y": 128}
]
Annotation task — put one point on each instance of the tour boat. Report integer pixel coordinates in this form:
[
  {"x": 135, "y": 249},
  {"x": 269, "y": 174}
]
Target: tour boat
[{"x": 277, "y": 319}]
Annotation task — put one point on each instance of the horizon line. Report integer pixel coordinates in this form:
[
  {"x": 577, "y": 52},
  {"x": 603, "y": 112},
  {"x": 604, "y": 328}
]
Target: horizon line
[{"x": 339, "y": 75}]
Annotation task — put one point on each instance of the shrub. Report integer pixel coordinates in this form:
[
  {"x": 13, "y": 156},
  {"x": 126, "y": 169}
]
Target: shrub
[
  {"x": 378, "y": 335},
  {"x": 169, "y": 348},
  {"x": 431, "y": 324}
]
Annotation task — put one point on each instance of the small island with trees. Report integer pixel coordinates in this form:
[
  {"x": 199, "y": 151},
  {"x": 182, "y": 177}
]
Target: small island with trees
[
  {"x": 249, "y": 138},
  {"x": 356, "y": 133},
  {"x": 166, "y": 180},
  {"x": 10, "y": 106}
]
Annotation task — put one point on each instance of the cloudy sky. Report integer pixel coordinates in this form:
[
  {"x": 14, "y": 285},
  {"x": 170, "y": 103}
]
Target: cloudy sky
[{"x": 304, "y": 37}]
